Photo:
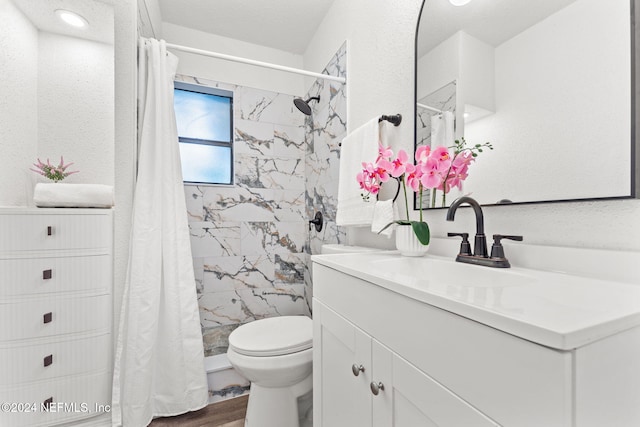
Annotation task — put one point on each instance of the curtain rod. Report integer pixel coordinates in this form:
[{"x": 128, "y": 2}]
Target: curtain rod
[
  {"x": 256, "y": 63},
  {"x": 426, "y": 107}
]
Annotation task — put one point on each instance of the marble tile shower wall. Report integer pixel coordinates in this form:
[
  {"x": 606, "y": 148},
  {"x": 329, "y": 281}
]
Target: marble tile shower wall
[
  {"x": 248, "y": 240},
  {"x": 324, "y": 130}
]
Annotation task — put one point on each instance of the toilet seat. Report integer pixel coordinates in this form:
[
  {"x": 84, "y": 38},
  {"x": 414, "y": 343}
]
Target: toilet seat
[{"x": 274, "y": 336}]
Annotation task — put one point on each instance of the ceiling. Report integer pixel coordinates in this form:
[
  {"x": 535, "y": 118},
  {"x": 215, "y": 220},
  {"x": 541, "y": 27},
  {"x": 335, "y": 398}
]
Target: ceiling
[
  {"x": 287, "y": 25},
  {"x": 492, "y": 21},
  {"x": 99, "y": 15}
]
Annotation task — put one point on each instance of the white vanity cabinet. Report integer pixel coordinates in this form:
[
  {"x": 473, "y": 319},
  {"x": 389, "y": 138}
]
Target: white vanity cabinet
[
  {"x": 438, "y": 368},
  {"x": 379, "y": 388},
  {"x": 55, "y": 316}
]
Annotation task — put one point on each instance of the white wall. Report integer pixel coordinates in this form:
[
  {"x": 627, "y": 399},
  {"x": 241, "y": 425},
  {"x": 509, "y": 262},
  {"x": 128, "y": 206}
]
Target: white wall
[
  {"x": 380, "y": 78},
  {"x": 18, "y": 103},
  {"x": 76, "y": 106},
  {"x": 380, "y": 40},
  {"x": 233, "y": 72},
  {"x": 440, "y": 66},
  {"x": 563, "y": 101},
  {"x": 125, "y": 142}
]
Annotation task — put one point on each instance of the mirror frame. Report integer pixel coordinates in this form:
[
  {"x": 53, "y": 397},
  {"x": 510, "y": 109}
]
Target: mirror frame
[{"x": 634, "y": 133}]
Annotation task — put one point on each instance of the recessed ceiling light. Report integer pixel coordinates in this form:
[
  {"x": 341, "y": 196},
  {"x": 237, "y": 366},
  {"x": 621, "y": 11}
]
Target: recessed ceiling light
[
  {"x": 72, "y": 18},
  {"x": 459, "y": 2}
]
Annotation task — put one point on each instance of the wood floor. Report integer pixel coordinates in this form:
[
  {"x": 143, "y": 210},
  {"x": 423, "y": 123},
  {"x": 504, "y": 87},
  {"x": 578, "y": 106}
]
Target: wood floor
[{"x": 228, "y": 413}]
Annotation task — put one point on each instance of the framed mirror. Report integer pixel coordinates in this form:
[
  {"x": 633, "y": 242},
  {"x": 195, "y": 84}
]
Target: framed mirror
[{"x": 549, "y": 84}]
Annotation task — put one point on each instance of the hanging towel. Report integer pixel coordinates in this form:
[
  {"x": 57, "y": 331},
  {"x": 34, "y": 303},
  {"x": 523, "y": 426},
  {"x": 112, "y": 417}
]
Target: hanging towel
[
  {"x": 49, "y": 195},
  {"x": 359, "y": 146},
  {"x": 442, "y": 129},
  {"x": 383, "y": 214},
  {"x": 390, "y": 136}
]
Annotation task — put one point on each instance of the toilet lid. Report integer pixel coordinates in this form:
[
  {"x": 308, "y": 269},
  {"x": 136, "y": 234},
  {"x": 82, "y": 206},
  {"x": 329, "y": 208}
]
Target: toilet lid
[{"x": 274, "y": 336}]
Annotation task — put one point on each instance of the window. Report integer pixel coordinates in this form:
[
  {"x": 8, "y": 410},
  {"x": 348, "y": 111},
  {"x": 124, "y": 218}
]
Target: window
[{"x": 204, "y": 117}]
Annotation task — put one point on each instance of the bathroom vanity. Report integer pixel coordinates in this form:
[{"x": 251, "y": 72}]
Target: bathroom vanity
[{"x": 430, "y": 342}]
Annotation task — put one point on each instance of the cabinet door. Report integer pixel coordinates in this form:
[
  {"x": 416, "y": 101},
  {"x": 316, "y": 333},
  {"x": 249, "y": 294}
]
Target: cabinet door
[
  {"x": 340, "y": 397},
  {"x": 411, "y": 398}
]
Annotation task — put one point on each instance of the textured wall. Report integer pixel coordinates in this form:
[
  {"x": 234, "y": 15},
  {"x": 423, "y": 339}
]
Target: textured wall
[
  {"x": 18, "y": 103},
  {"x": 76, "y": 106}
]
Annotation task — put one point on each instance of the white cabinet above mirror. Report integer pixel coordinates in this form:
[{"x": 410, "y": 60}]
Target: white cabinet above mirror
[{"x": 548, "y": 83}]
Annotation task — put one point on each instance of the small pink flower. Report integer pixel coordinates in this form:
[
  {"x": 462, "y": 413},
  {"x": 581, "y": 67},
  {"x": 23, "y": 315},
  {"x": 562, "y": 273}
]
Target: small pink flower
[
  {"x": 399, "y": 165},
  {"x": 413, "y": 178},
  {"x": 431, "y": 178},
  {"x": 384, "y": 152},
  {"x": 422, "y": 153}
]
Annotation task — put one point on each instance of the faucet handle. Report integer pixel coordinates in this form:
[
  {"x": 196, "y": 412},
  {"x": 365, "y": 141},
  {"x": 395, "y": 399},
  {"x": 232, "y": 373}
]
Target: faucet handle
[
  {"x": 465, "y": 246},
  {"x": 497, "y": 250}
]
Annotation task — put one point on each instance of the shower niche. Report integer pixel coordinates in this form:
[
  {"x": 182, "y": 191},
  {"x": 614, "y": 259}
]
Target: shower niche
[{"x": 58, "y": 92}]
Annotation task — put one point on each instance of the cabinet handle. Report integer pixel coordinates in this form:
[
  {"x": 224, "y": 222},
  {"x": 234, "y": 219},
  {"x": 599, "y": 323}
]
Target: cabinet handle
[
  {"x": 356, "y": 369},
  {"x": 49, "y": 230},
  {"x": 47, "y": 403},
  {"x": 47, "y": 317},
  {"x": 376, "y": 387},
  {"x": 47, "y": 274},
  {"x": 48, "y": 360}
]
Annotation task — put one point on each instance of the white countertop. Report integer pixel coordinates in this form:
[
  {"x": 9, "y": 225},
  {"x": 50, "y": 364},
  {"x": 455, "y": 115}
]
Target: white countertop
[{"x": 557, "y": 310}]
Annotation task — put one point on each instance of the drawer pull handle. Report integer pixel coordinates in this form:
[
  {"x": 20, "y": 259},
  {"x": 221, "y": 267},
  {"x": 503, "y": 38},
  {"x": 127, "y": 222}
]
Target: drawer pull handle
[
  {"x": 47, "y": 317},
  {"x": 47, "y": 274},
  {"x": 48, "y": 360},
  {"x": 49, "y": 230},
  {"x": 376, "y": 387},
  {"x": 47, "y": 403},
  {"x": 356, "y": 369}
]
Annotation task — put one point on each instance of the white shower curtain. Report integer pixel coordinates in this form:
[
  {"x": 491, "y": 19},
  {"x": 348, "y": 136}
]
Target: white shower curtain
[{"x": 159, "y": 361}]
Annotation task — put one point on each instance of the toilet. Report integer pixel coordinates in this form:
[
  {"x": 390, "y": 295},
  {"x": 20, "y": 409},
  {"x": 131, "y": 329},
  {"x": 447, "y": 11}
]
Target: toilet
[{"x": 275, "y": 355}]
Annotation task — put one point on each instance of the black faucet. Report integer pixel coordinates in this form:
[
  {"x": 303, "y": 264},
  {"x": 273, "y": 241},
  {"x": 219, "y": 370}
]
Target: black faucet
[{"x": 479, "y": 257}]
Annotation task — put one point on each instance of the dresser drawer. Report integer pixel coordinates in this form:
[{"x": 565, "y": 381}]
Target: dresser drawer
[
  {"x": 52, "y": 231},
  {"x": 72, "y": 399},
  {"x": 19, "y": 277},
  {"x": 24, "y": 363},
  {"x": 53, "y": 316}
]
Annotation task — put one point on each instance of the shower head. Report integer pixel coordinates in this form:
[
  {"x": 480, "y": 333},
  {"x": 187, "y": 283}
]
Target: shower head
[{"x": 303, "y": 105}]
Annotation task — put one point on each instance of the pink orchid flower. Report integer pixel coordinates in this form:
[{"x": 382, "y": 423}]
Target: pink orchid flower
[
  {"x": 399, "y": 165},
  {"x": 422, "y": 153},
  {"x": 384, "y": 152}
]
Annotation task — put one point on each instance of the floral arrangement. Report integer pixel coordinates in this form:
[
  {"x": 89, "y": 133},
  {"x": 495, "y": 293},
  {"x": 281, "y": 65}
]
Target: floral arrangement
[
  {"x": 439, "y": 169},
  {"x": 54, "y": 173},
  {"x": 435, "y": 169}
]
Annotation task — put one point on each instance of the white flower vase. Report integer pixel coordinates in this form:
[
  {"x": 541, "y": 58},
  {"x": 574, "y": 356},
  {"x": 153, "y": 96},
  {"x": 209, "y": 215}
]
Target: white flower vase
[{"x": 407, "y": 242}]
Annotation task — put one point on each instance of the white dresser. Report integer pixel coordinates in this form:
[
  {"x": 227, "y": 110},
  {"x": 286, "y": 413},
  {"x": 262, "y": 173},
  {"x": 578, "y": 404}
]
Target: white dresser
[{"x": 55, "y": 316}]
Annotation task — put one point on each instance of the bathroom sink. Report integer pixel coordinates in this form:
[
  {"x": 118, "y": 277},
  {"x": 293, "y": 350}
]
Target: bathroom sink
[
  {"x": 428, "y": 272},
  {"x": 338, "y": 248},
  {"x": 554, "y": 309}
]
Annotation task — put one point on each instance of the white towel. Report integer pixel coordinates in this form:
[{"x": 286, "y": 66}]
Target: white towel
[
  {"x": 442, "y": 129},
  {"x": 359, "y": 146},
  {"x": 390, "y": 136},
  {"x": 383, "y": 214},
  {"x": 73, "y": 195}
]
